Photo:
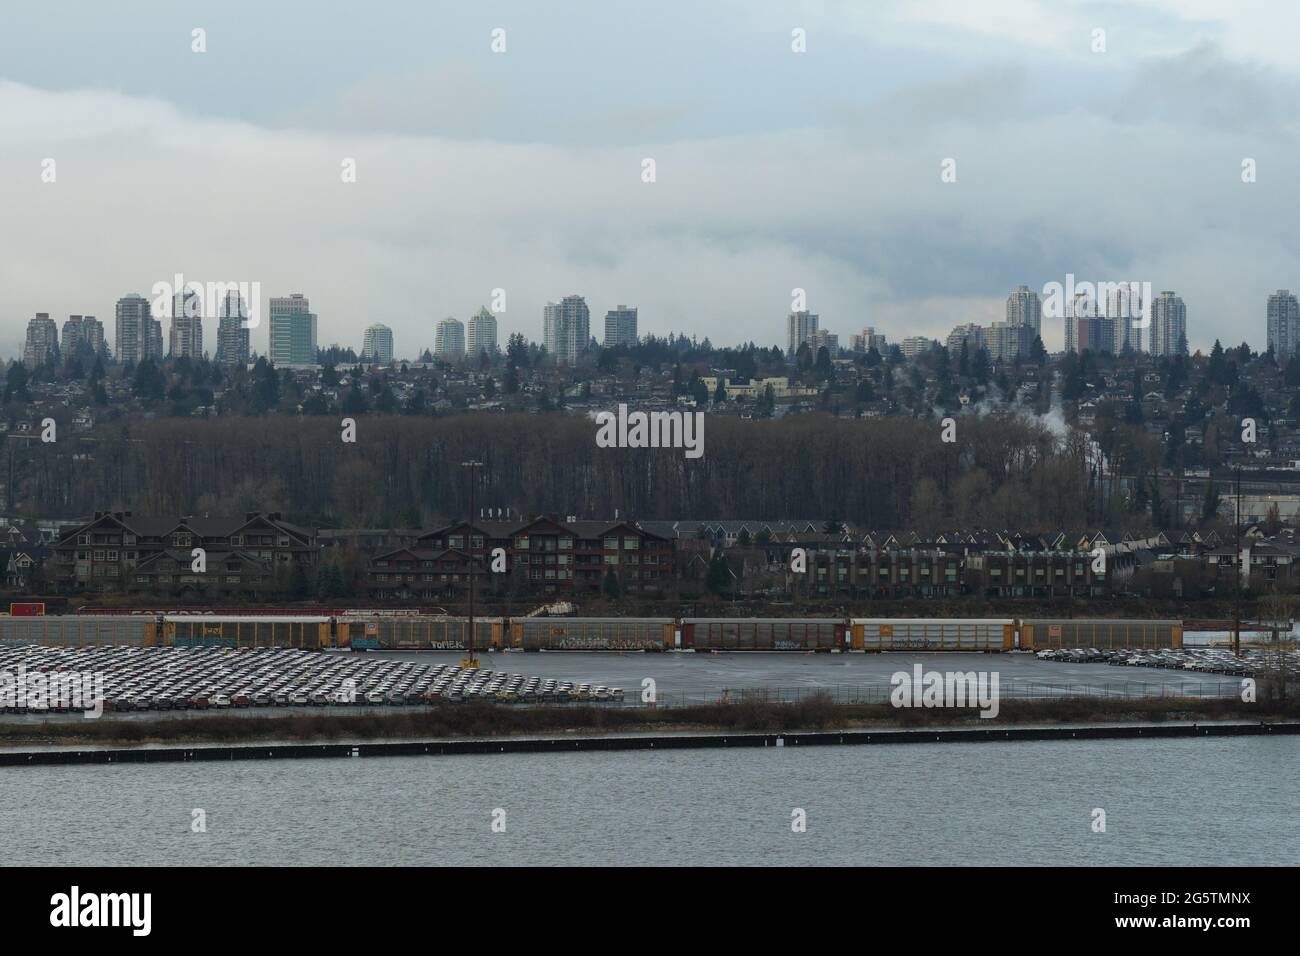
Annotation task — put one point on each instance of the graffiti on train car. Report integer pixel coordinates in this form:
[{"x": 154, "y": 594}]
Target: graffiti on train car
[{"x": 604, "y": 644}]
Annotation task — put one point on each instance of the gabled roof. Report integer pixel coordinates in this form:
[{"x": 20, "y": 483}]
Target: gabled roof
[{"x": 212, "y": 557}]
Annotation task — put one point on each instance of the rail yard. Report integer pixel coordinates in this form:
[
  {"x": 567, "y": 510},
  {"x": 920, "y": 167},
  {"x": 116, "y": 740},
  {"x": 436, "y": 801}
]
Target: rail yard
[{"x": 394, "y": 631}]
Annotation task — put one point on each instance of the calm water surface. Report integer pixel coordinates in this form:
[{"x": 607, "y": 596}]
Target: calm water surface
[{"x": 1182, "y": 802}]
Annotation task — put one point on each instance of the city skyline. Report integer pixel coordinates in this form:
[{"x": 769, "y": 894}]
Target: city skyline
[
  {"x": 823, "y": 171},
  {"x": 1088, "y": 323}
]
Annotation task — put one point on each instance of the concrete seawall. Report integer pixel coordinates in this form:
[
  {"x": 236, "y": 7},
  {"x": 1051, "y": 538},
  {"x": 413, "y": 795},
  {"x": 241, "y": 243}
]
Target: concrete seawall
[{"x": 636, "y": 742}]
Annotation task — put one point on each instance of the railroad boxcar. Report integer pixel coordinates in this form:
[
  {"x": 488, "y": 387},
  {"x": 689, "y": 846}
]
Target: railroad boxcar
[
  {"x": 873, "y": 634},
  {"x": 1104, "y": 634},
  {"x": 79, "y": 631},
  {"x": 764, "y": 634},
  {"x": 433, "y": 633},
  {"x": 193, "y": 630},
  {"x": 592, "y": 633}
]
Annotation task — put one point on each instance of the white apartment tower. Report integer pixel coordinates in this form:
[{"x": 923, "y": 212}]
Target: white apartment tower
[
  {"x": 139, "y": 334},
  {"x": 482, "y": 333},
  {"x": 802, "y": 325},
  {"x": 1283, "y": 325},
  {"x": 42, "y": 345},
  {"x": 82, "y": 333},
  {"x": 566, "y": 329},
  {"x": 1024, "y": 308},
  {"x": 232, "y": 331},
  {"x": 1168, "y": 325},
  {"x": 187, "y": 325},
  {"x": 449, "y": 340},
  {"x": 620, "y": 327},
  {"x": 377, "y": 345}
]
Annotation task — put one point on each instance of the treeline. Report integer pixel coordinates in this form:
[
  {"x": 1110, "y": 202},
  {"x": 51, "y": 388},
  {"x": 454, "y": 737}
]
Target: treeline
[{"x": 1002, "y": 471}]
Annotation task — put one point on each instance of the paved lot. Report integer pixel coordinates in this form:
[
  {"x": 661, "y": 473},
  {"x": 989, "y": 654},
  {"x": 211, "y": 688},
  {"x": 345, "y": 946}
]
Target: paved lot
[{"x": 705, "y": 675}]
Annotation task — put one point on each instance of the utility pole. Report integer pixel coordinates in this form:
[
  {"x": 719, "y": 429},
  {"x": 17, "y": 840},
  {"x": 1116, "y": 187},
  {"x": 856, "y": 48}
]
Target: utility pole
[
  {"x": 470, "y": 660},
  {"x": 1237, "y": 566}
]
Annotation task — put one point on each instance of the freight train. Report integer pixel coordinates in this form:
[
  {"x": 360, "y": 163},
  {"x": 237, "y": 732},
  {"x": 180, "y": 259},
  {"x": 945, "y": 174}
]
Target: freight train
[{"x": 361, "y": 630}]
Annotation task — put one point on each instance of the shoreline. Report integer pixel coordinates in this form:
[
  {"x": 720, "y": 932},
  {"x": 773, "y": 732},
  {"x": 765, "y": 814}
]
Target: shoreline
[{"x": 608, "y": 742}]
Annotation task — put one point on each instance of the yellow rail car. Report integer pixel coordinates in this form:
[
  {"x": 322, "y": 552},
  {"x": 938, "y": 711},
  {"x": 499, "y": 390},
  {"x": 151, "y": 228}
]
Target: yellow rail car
[
  {"x": 190, "y": 630},
  {"x": 1102, "y": 633},
  {"x": 933, "y": 634}
]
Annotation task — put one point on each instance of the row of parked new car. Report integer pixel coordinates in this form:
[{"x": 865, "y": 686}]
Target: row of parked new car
[
  {"x": 1210, "y": 660},
  {"x": 207, "y": 678}
]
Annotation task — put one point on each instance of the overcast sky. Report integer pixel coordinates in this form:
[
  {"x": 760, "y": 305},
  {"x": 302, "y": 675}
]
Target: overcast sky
[{"x": 774, "y": 169}]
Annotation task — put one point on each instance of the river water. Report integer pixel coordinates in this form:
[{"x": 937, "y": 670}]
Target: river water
[{"x": 1192, "y": 802}]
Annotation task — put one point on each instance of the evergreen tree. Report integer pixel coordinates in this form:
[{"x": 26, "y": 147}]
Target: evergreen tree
[
  {"x": 16, "y": 384},
  {"x": 1210, "y": 508},
  {"x": 823, "y": 366},
  {"x": 611, "y": 585},
  {"x": 148, "y": 384},
  {"x": 299, "y": 586},
  {"x": 719, "y": 577}
]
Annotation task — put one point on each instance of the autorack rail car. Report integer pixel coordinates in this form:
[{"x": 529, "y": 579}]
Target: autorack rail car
[
  {"x": 1104, "y": 634},
  {"x": 305, "y": 633},
  {"x": 592, "y": 633},
  {"x": 416, "y": 633},
  {"x": 79, "y": 631},
  {"x": 933, "y": 634},
  {"x": 763, "y": 634}
]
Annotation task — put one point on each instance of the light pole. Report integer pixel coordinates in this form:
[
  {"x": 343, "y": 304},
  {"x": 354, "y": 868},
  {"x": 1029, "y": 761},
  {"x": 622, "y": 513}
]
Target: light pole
[
  {"x": 1237, "y": 566},
  {"x": 470, "y": 660}
]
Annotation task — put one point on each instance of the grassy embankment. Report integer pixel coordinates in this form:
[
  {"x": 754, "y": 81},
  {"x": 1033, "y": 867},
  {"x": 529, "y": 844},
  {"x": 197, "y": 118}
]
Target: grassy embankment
[{"x": 495, "y": 720}]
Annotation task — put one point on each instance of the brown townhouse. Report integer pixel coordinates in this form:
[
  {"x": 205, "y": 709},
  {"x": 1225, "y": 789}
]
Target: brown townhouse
[
  {"x": 542, "y": 555},
  {"x": 245, "y": 556}
]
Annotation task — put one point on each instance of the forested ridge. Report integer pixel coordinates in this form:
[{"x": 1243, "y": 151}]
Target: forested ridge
[{"x": 1003, "y": 471}]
